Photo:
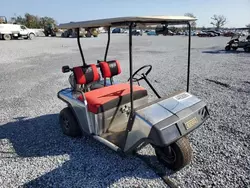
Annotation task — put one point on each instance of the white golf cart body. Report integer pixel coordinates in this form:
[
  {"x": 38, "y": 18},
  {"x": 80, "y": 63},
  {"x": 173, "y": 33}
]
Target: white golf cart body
[{"x": 125, "y": 122}]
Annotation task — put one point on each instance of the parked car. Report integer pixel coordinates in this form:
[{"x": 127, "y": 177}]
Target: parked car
[
  {"x": 205, "y": 34},
  {"x": 180, "y": 33},
  {"x": 151, "y": 33},
  {"x": 117, "y": 30},
  {"x": 137, "y": 32},
  {"x": 163, "y": 30},
  {"x": 229, "y": 34},
  {"x": 216, "y": 33},
  {"x": 15, "y": 31},
  {"x": 193, "y": 33}
]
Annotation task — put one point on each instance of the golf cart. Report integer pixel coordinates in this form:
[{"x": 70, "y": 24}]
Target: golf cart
[
  {"x": 238, "y": 42},
  {"x": 119, "y": 115}
]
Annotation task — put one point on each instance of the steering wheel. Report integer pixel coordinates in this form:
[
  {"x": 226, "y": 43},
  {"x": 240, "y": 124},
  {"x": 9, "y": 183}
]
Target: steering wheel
[{"x": 142, "y": 75}]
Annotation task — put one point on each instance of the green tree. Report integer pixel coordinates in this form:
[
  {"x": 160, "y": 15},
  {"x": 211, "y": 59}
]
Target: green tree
[
  {"x": 32, "y": 21},
  {"x": 218, "y": 21},
  {"x": 47, "y": 21}
]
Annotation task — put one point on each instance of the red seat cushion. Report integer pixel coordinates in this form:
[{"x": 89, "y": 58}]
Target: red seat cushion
[
  {"x": 86, "y": 74},
  {"x": 110, "y": 68},
  {"x": 109, "y": 97}
]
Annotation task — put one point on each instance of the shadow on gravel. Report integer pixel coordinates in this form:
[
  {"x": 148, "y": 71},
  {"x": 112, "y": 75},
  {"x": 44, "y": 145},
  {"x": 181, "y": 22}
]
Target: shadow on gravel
[
  {"x": 222, "y": 52},
  {"x": 90, "y": 163},
  {"x": 219, "y": 83}
]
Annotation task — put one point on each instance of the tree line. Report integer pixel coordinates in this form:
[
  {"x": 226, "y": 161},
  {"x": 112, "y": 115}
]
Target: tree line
[{"x": 31, "y": 21}]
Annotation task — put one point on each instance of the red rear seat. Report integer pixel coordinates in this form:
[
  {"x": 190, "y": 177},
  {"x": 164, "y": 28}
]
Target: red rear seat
[
  {"x": 109, "y": 97},
  {"x": 86, "y": 74}
]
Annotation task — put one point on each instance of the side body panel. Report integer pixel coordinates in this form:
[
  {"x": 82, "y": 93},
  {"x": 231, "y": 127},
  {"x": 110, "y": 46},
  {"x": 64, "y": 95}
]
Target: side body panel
[{"x": 79, "y": 108}]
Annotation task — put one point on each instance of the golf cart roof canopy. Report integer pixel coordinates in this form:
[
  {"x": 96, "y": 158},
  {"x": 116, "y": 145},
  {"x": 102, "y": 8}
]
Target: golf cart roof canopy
[{"x": 120, "y": 21}]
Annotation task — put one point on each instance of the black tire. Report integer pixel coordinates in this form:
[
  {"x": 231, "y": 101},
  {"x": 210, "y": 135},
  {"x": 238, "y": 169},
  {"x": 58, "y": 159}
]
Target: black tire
[
  {"x": 88, "y": 35},
  {"x": 179, "y": 157},
  {"x": 69, "y": 124},
  {"x": 227, "y": 48},
  {"x": 247, "y": 49},
  {"x": 31, "y": 36},
  {"x": 6, "y": 36},
  {"x": 234, "y": 48}
]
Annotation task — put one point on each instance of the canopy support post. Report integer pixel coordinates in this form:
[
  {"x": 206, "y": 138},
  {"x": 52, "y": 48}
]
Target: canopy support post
[
  {"x": 107, "y": 47},
  {"x": 131, "y": 115},
  {"x": 189, "y": 48},
  {"x": 79, "y": 46},
  {"x": 130, "y": 76}
]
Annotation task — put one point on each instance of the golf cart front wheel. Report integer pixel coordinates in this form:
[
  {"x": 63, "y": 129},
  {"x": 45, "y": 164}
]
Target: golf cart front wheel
[
  {"x": 175, "y": 156},
  {"x": 69, "y": 125}
]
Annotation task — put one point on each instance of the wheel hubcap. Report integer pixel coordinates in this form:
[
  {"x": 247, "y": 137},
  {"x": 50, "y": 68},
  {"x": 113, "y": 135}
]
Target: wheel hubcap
[
  {"x": 168, "y": 155},
  {"x": 66, "y": 123}
]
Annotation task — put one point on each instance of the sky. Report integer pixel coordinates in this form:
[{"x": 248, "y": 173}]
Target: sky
[{"x": 237, "y": 12}]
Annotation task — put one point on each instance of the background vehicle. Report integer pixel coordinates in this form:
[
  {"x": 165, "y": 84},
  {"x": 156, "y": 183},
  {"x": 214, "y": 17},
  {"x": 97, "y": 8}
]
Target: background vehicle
[
  {"x": 151, "y": 33},
  {"x": 229, "y": 34},
  {"x": 193, "y": 33},
  {"x": 15, "y": 31},
  {"x": 50, "y": 29},
  {"x": 82, "y": 33},
  {"x": 238, "y": 42},
  {"x": 137, "y": 32},
  {"x": 163, "y": 30},
  {"x": 117, "y": 30},
  {"x": 205, "y": 34},
  {"x": 216, "y": 33}
]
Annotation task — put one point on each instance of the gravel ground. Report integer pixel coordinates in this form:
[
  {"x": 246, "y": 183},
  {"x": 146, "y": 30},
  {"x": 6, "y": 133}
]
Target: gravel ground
[{"x": 35, "y": 153}]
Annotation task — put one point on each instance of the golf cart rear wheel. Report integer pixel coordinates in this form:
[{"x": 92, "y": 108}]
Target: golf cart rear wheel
[
  {"x": 69, "y": 124},
  {"x": 177, "y": 155}
]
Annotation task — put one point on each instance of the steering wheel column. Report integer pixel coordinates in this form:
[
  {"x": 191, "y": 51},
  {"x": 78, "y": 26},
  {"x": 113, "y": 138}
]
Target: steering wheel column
[{"x": 136, "y": 77}]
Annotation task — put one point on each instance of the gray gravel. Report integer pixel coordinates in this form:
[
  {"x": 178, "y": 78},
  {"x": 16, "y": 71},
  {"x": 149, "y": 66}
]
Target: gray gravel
[{"x": 35, "y": 153}]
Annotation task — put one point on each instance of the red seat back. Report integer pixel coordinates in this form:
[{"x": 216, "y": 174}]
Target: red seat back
[
  {"x": 86, "y": 74},
  {"x": 110, "y": 68}
]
